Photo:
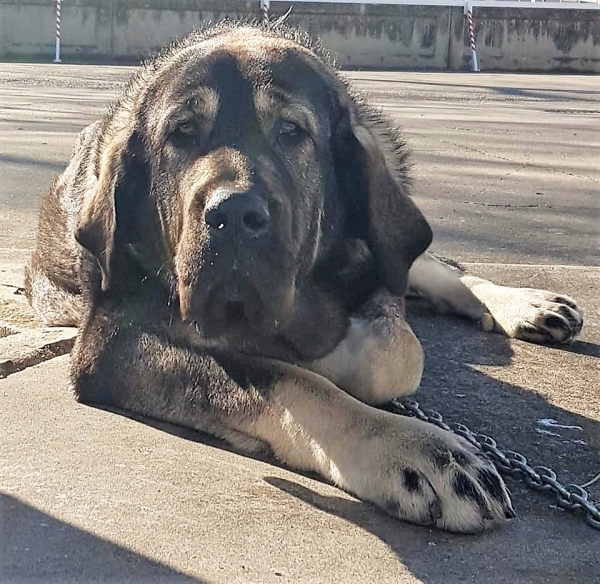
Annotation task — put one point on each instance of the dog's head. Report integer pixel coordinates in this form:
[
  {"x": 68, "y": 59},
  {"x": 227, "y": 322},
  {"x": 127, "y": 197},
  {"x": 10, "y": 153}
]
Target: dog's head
[{"x": 233, "y": 168}]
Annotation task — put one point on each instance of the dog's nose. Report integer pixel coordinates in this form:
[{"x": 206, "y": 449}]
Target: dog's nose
[{"x": 243, "y": 214}]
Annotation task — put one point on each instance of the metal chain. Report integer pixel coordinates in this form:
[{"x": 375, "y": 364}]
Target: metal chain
[{"x": 540, "y": 478}]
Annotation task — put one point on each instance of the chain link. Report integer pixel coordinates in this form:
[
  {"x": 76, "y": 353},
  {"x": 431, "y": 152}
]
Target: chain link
[{"x": 540, "y": 478}]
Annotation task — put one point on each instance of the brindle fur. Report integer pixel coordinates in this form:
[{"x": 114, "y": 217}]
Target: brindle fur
[{"x": 278, "y": 332}]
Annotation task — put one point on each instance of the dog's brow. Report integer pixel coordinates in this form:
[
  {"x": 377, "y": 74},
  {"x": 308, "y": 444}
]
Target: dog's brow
[
  {"x": 202, "y": 101},
  {"x": 268, "y": 102},
  {"x": 205, "y": 102}
]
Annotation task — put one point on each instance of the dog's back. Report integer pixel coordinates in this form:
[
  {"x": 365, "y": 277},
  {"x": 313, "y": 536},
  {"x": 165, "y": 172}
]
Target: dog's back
[{"x": 52, "y": 283}]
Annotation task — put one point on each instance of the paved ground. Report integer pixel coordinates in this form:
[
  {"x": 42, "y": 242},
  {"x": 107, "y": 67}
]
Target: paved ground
[
  {"x": 506, "y": 165},
  {"x": 506, "y": 168}
]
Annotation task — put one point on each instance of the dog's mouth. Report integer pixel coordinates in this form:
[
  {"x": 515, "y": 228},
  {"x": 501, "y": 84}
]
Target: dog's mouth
[
  {"x": 277, "y": 320},
  {"x": 237, "y": 309},
  {"x": 233, "y": 320},
  {"x": 235, "y": 312}
]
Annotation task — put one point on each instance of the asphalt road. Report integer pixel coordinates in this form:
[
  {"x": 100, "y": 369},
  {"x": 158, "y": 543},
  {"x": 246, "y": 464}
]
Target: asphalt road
[{"x": 506, "y": 167}]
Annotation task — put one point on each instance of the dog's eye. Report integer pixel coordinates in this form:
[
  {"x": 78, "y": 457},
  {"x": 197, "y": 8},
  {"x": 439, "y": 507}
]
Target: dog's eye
[
  {"x": 289, "y": 131},
  {"x": 287, "y": 128},
  {"x": 186, "y": 135}
]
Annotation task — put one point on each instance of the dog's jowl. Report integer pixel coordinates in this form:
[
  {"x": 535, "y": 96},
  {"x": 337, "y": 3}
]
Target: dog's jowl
[{"x": 240, "y": 237}]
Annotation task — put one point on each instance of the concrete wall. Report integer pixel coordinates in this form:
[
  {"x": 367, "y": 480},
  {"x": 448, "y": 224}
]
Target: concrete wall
[
  {"x": 538, "y": 39},
  {"x": 370, "y": 36}
]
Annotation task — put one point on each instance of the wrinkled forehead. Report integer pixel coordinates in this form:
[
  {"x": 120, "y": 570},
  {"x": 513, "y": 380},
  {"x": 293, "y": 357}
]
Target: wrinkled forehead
[{"x": 240, "y": 67}]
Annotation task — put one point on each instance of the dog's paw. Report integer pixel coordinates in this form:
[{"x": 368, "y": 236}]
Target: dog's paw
[
  {"x": 436, "y": 478},
  {"x": 538, "y": 316}
]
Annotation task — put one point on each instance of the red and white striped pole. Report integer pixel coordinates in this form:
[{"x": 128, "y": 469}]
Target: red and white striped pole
[
  {"x": 57, "y": 54},
  {"x": 264, "y": 11},
  {"x": 468, "y": 10}
]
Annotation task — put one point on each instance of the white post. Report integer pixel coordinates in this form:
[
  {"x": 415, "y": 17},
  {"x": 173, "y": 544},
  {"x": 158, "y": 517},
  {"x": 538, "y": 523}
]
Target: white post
[
  {"x": 57, "y": 53},
  {"x": 468, "y": 10},
  {"x": 264, "y": 10}
]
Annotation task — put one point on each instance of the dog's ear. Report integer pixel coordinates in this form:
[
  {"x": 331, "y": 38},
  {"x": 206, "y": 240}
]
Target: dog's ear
[
  {"x": 106, "y": 215},
  {"x": 379, "y": 208}
]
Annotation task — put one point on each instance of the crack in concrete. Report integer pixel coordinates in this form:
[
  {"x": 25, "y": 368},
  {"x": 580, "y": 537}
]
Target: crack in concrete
[
  {"x": 521, "y": 164},
  {"x": 17, "y": 290},
  {"x": 508, "y": 205},
  {"x": 513, "y": 265}
]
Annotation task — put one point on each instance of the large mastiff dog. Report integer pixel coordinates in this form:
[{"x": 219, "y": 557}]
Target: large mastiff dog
[{"x": 234, "y": 239}]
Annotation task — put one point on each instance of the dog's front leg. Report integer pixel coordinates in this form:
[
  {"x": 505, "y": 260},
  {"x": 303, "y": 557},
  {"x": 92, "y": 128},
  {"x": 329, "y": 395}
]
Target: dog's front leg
[
  {"x": 539, "y": 316},
  {"x": 410, "y": 469}
]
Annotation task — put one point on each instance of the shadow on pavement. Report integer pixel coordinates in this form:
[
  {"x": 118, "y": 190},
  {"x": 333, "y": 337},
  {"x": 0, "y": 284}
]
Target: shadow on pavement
[
  {"x": 554, "y": 545},
  {"x": 544, "y": 540},
  {"x": 583, "y": 348},
  {"x": 61, "y": 553},
  {"x": 532, "y": 94},
  {"x": 436, "y": 557}
]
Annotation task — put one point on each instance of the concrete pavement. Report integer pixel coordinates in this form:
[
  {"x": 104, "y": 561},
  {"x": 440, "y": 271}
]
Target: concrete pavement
[
  {"x": 506, "y": 171},
  {"x": 506, "y": 166},
  {"x": 91, "y": 496}
]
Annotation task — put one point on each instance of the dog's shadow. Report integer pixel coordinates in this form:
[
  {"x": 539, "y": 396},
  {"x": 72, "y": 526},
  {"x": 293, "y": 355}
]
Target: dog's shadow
[{"x": 460, "y": 382}]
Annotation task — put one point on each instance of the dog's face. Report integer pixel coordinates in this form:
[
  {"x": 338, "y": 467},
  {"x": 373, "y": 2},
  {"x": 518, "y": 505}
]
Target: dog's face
[
  {"x": 244, "y": 156},
  {"x": 236, "y": 167}
]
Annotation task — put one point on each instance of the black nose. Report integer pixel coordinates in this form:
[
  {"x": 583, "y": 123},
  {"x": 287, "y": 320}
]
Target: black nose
[{"x": 244, "y": 215}]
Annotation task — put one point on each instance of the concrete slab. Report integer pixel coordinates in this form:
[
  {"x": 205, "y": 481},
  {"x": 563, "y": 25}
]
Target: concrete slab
[
  {"x": 15, "y": 312},
  {"x": 22, "y": 349},
  {"x": 89, "y": 495},
  {"x": 24, "y": 341}
]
